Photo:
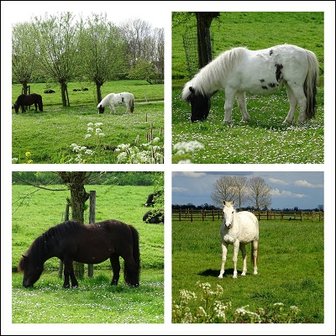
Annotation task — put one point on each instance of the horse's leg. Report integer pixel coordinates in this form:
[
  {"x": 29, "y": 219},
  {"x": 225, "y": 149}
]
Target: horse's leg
[
  {"x": 35, "y": 104},
  {"x": 115, "y": 269},
  {"x": 112, "y": 108},
  {"x": 301, "y": 100},
  {"x": 69, "y": 272},
  {"x": 292, "y": 106},
  {"x": 255, "y": 245},
  {"x": 228, "y": 105},
  {"x": 224, "y": 254},
  {"x": 243, "y": 250},
  {"x": 235, "y": 257},
  {"x": 241, "y": 98}
]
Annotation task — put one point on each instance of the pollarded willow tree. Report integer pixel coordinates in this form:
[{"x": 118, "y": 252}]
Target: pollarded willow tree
[
  {"x": 57, "y": 43},
  {"x": 24, "y": 54},
  {"x": 102, "y": 51}
]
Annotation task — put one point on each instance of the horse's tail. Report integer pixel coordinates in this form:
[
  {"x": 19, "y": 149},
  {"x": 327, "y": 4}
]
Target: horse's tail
[
  {"x": 132, "y": 273},
  {"x": 40, "y": 103},
  {"x": 310, "y": 84}
]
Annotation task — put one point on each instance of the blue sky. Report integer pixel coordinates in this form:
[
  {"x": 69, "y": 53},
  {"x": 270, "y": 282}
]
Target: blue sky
[{"x": 288, "y": 189}]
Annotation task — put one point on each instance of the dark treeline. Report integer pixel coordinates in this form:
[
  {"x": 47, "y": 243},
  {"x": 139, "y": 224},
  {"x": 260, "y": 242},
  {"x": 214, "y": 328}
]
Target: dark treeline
[
  {"x": 96, "y": 178},
  {"x": 207, "y": 207}
]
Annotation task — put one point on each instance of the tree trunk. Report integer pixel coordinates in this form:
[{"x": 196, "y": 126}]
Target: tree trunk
[
  {"x": 204, "y": 20},
  {"x": 98, "y": 90},
  {"x": 64, "y": 93},
  {"x": 75, "y": 182}
]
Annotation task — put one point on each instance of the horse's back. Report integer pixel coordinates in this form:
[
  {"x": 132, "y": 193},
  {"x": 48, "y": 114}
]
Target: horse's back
[{"x": 248, "y": 226}]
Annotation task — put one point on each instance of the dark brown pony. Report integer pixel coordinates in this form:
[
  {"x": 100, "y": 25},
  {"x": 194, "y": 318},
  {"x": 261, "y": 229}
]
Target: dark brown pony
[
  {"x": 28, "y": 100},
  {"x": 92, "y": 244}
]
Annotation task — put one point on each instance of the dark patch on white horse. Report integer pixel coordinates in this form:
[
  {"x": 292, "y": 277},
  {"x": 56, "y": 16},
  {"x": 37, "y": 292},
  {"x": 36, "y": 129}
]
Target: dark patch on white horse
[
  {"x": 264, "y": 87},
  {"x": 271, "y": 52},
  {"x": 262, "y": 80},
  {"x": 272, "y": 85},
  {"x": 278, "y": 73}
]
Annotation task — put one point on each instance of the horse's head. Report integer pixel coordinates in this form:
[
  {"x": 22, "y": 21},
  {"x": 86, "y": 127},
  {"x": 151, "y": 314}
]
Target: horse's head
[
  {"x": 100, "y": 108},
  {"x": 16, "y": 107},
  {"x": 228, "y": 213},
  {"x": 31, "y": 271},
  {"x": 200, "y": 103}
]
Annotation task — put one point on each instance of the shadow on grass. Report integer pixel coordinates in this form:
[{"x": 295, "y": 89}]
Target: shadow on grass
[{"x": 214, "y": 273}]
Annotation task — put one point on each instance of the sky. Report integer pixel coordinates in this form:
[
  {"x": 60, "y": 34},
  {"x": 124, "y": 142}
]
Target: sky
[
  {"x": 288, "y": 189},
  {"x": 117, "y": 12}
]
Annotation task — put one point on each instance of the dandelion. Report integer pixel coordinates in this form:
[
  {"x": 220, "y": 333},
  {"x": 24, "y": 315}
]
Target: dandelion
[{"x": 87, "y": 136}]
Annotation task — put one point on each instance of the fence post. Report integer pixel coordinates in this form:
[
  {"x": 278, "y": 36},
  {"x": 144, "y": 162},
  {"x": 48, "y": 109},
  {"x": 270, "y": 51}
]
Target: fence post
[
  {"x": 92, "y": 219},
  {"x": 66, "y": 218},
  {"x": 180, "y": 215},
  {"x": 191, "y": 216}
]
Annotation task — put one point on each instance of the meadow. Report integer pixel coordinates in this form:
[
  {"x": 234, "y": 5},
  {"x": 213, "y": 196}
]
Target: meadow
[
  {"x": 265, "y": 139},
  {"x": 290, "y": 267},
  {"x": 95, "y": 300},
  {"x": 47, "y": 136}
]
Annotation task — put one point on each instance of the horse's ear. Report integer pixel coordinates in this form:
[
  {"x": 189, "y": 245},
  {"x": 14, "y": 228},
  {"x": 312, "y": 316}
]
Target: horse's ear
[{"x": 223, "y": 202}]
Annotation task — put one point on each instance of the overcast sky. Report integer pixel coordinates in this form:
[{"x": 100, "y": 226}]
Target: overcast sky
[
  {"x": 117, "y": 12},
  {"x": 288, "y": 189}
]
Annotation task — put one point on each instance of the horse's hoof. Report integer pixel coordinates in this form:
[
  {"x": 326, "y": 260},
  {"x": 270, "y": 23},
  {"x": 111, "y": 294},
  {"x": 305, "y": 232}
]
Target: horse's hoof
[
  {"x": 243, "y": 274},
  {"x": 220, "y": 276}
]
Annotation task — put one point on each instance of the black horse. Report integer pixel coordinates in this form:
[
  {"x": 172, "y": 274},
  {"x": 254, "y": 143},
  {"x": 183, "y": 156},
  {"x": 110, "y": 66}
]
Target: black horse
[
  {"x": 153, "y": 217},
  {"x": 151, "y": 199},
  {"x": 27, "y": 100},
  {"x": 92, "y": 244}
]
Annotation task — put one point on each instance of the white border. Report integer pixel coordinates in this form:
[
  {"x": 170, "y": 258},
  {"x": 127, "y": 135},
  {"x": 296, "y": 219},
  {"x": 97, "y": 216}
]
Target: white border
[{"x": 164, "y": 9}]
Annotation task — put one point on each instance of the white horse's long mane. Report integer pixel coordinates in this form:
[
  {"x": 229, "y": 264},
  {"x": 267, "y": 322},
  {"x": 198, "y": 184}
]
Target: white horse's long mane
[{"x": 208, "y": 78}]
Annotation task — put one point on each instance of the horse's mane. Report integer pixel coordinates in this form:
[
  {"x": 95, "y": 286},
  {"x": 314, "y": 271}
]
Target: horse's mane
[
  {"x": 206, "y": 80},
  {"x": 47, "y": 240}
]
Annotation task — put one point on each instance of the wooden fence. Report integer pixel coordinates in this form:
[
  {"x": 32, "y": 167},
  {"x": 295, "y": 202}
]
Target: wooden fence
[{"x": 212, "y": 215}]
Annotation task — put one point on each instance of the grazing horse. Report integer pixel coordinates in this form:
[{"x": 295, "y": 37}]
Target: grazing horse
[
  {"x": 239, "y": 228},
  {"x": 151, "y": 199},
  {"x": 72, "y": 241},
  {"x": 154, "y": 217},
  {"x": 27, "y": 100},
  {"x": 113, "y": 99},
  {"x": 240, "y": 70}
]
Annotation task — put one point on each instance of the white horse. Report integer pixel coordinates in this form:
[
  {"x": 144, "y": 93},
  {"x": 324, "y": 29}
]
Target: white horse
[
  {"x": 239, "y": 228},
  {"x": 240, "y": 70},
  {"x": 113, "y": 99}
]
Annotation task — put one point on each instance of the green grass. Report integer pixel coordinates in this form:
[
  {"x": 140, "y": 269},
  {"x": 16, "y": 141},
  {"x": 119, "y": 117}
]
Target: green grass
[
  {"x": 48, "y": 135},
  {"x": 290, "y": 265},
  {"x": 35, "y": 210},
  {"x": 264, "y": 139}
]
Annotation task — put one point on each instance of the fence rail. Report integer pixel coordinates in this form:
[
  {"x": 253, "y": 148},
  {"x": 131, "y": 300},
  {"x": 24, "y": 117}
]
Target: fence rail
[{"x": 212, "y": 215}]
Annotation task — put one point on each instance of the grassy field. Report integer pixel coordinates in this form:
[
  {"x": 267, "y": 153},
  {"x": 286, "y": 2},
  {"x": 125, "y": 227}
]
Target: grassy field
[
  {"x": 290, "y": 266},
  {"x": 264, "y": 139},
  {"x": 95, "y": 301},
  {"x": 48, "y": 136}
]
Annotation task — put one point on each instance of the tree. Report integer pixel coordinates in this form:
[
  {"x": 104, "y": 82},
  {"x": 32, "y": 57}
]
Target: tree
[
  {"x": 259, "y": 193},
  {"x": 225, "y": 190},
  {"x": 23, "y": 54},
  {"x": 78, "y": 196},
  {"x": 102, "y": 50},
  {"x": 204, "y": 20},
  {"x": 56, "y": 38},
  {"x": 144, "y": 46}
]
